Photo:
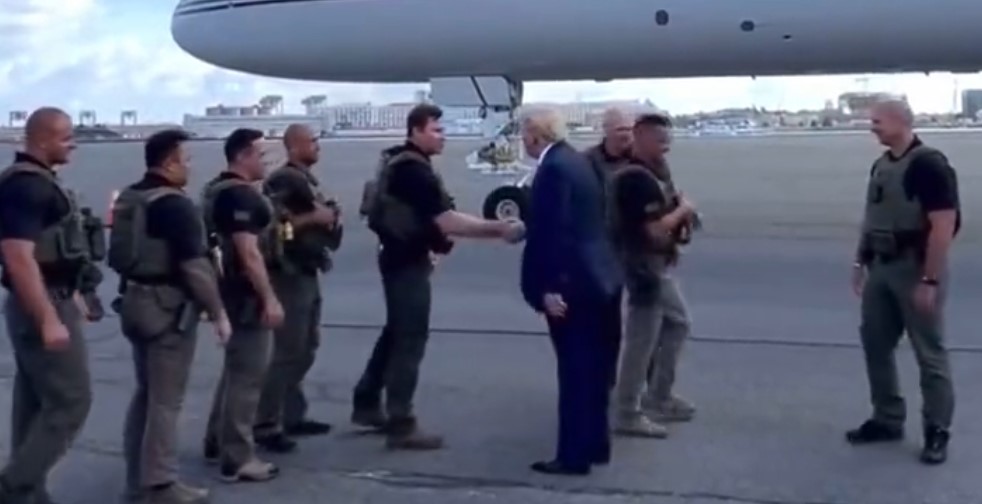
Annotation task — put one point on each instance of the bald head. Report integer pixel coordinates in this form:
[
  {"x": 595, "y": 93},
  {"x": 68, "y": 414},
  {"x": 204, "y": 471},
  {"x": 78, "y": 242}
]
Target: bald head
[
  {"x": 893, "y": 123},
  {"x": 617, "y": 124},
  {"x": 48, "y": 135},
  {"x": 615, "y": 117},
  {"x": 301, "y": 145},
  {"x": 898, "y": 110},
  {"x": 43, "y": 120}
]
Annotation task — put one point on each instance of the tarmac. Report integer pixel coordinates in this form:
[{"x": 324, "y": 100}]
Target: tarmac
[{"x": 774, "y": 367}]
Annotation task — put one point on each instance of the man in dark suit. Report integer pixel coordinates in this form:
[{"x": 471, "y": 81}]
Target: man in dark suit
[{"x": 570, "y": 274}]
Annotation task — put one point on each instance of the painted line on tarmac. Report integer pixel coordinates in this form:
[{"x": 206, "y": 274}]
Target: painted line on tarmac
[{"x": 705, "y": 338}]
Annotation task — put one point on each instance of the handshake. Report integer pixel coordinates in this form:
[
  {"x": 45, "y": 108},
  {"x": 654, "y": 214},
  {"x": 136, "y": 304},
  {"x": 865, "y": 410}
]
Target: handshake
[{"x": 512, "y": 231}]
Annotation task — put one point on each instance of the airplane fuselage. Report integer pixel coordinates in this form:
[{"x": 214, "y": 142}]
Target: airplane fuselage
[{"x": 525, "y": 40}]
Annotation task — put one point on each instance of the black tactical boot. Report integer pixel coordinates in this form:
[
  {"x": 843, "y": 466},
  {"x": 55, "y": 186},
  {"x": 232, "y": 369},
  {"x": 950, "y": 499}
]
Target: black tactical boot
[
  {"x": 308, "y": 427},
  {"x": 276, "y": 443},
  {"x": 935, "y": 445},
  {"x": 873, "y": 431}
]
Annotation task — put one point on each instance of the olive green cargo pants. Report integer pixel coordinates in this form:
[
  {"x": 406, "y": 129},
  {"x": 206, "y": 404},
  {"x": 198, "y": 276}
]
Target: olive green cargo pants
[
  {"x": 233, "y": 411},
  {"x": 887, "y": 310},
  {"x": 162, "y": 365},
  {"x": 398, "y": 354},
  {"x": 295, "y": 345},
  {"x": 51, "y": 398}
]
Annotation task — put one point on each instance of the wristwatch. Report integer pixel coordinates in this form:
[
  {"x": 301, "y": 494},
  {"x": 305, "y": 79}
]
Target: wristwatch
[{"x": 926, "y": 280}]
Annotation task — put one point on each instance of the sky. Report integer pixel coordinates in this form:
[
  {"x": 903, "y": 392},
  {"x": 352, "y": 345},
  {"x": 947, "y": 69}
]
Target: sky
[{"x": 114, "y": 55}]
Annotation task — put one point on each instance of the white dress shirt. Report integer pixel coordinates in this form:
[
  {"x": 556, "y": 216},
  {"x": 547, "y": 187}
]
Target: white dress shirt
[{"x": 544, "y": 152}]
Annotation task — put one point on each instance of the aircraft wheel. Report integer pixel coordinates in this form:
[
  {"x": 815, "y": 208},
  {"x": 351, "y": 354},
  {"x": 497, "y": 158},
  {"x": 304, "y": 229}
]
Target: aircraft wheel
[{"x": 506, "y": 202}]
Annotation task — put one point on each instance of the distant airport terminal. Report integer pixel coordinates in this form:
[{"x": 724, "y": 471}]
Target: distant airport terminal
[{"x": 848, "y": 111}]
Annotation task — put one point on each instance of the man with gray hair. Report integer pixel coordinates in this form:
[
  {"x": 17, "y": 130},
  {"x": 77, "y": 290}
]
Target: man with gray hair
[
  {"x": 615, "y": 149},
  {"x": 912, "y": 216},
  {"x": 568, "y": 270},
  {"x": 611, "y": 154}
]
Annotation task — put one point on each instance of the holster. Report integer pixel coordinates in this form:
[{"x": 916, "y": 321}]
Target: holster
[
  {"x": 888, "y": 246},
  {"x": 149, "y": 311}
]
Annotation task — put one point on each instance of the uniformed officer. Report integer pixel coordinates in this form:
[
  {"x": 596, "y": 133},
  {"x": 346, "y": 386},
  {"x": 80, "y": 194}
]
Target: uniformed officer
[
  {"x": 243, "y": 227},
  {"x": 912, "y": 215},
  {"x": 413, "y": 216},
  {"x": 157, "y": 245},
  {"x": 650, "y": 221},
  {"x": 316, "y": 232},
  {"x": 43, "y": 249},
  {"x": 612, "y": 153}
]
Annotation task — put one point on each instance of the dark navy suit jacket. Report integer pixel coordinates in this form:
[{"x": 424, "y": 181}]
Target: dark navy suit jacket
[{"x": 567, "y": 248}]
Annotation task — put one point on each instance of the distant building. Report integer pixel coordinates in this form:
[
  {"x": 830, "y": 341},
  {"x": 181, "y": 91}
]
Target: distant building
[
  {"x": 971, "y": 103},
  {"x": 220, "y": 120}
]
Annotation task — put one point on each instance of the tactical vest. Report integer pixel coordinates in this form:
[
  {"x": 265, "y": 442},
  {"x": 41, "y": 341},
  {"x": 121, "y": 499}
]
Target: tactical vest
[
  {"x": 133, "y": 253},
  {"x": 893, "y": 221},
  {"x": 634, "y": 246},
  {"x": 370, "y": 189},
  {"x": 270, "y": 239},
  {"x": 64, "y": 243},
  {"x": 309, "y": 248},
  {"x": 390, "y": 216}
]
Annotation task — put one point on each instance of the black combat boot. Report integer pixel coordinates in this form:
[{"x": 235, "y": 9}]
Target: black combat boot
[
  {"x": 873, "y": 431},
  {"x": 276, "y": 443},
  {"x": 308, "y": 427},
  {"x": 935, "y": 445}
]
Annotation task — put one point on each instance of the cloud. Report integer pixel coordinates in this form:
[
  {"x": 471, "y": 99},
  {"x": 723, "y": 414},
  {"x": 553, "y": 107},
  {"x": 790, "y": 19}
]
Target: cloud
[{"x": 115, "y": 55}]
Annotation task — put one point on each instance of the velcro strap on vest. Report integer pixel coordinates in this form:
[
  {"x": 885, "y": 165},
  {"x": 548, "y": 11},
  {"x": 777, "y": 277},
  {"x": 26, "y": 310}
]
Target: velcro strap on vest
[
  {"x": 407, "y": 155},
  {"x": 151, "y": 195},
  {"x": 221, "y": 185}
]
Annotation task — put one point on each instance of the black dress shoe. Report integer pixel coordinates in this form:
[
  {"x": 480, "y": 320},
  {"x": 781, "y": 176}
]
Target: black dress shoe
[
  {"x": 558, "y": 469},
  {"x": 935, "y": 445},
  {"x": 277, "y": 443},
  {"x": 308, "y": 428},
  {"x": 602, "y": 458},
  {"x": 873, "y": 431}
]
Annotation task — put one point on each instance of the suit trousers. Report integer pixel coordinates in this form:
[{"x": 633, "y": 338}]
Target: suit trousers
[{"x": 580, "y": 340}]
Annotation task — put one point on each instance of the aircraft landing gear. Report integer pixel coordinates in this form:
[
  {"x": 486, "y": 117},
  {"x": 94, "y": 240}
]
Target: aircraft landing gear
[
  {"x": 507, "y": 202},
  {"x": 500, "y": 152}
]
